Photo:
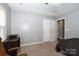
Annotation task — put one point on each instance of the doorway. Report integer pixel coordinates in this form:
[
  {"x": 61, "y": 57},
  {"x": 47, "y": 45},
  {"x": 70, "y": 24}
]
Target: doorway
[{"x": 60, "y": 29}]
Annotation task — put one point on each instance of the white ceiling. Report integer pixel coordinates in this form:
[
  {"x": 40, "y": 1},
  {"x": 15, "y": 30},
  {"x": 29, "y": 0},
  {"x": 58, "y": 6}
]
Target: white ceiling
[
  {"x": 38, "y": 8},
  {"x": 67, "y": 8},
  {"x": 51, "y": 9}
]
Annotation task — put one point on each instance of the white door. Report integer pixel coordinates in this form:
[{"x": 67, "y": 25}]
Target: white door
[
  {"x": 53, "y": 30},
  {"x": 46, "y": 30},
  {"x": 49, "y": 30}
]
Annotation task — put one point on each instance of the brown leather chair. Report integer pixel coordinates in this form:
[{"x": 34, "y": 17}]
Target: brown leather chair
[{"x": 2, "y": 49}]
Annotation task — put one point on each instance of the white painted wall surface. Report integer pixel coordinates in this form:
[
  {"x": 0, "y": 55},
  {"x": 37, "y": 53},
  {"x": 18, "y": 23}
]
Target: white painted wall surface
[{"x": 28, "y": 26}]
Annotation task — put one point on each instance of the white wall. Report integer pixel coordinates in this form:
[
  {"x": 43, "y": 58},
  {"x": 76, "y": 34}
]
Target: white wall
[
  {"x": 35, "y": 32},
  {"x": 71, "y": 20}
]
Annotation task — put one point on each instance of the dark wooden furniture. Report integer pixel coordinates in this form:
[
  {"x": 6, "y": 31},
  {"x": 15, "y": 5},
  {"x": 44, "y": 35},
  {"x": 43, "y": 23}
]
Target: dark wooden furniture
[
  {"x": 10, "y": 45},
  {"x": 3, "y": 51},
  {"x": 14, "y": 37},
  {"x": 12, "y": 51},
  {"x": 12, "y": 42}
]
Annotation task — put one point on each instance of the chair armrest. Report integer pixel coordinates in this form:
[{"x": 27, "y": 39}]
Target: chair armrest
[{"x": 15, "y": 48}]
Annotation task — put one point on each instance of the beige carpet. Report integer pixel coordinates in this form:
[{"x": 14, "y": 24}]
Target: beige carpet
[{"x": 40, "y": 49}]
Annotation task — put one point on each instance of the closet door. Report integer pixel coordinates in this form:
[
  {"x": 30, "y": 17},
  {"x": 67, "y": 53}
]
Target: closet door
[
  {"x": 49, "y": 30},
  {"x": 53, "y": 30},
  {"x": 46, "y": 30}
]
